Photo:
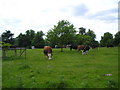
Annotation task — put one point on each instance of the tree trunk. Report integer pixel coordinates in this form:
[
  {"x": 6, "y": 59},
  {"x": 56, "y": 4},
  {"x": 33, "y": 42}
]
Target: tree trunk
[{"x": 61, "y": 49}]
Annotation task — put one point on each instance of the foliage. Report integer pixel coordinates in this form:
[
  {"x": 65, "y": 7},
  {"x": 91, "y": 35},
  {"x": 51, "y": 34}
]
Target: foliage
[
  {"x": 38, "y": 40},
  {"x": 83, "y": 40},
  {"x": 62, "y": 34},
  {"x": 22, "y": 40},
  {"x": 107, "y": 39},
  {"x": 82, "y": 31},
  {"x": 7, "y": 37},
  {"x": 94, "y": 44},
  {"x": 29, "y": 37},
  {"x": 117, "y": 38},
  {"x": 25, "y": 40},
  {"x": 3, "y": 44},
  {"x": 91, "y": 34}
]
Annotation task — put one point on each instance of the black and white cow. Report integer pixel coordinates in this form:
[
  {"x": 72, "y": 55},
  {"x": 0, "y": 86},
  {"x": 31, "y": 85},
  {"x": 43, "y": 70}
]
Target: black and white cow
[{"x": 85, "y": 48}]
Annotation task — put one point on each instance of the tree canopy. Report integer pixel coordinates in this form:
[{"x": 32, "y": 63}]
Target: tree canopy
[
  {"x": 106, "y": 39},
  {"x": 117, "y": 38},
  {"x": 62, "y": 34},
  {"x": 7, "y": 37}
]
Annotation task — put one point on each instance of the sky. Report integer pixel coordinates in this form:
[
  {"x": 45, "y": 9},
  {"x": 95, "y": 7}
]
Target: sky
[{"x": 19, "y": 16}]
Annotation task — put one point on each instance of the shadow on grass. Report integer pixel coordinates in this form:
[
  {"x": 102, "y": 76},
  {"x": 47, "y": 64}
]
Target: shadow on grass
[
  {"x": 25, "y": 66},
  {"x": 10, "y": 58},
  {"x": 59, "y": 85},
  {"x": 111, "y": 84}
]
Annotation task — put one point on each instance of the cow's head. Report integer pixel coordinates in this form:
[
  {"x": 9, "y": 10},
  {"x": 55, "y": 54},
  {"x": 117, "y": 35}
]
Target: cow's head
[{"x": 49, "y": 56}]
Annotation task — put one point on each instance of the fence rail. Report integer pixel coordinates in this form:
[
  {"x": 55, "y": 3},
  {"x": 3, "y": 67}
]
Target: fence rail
[{"x": 19, "y": 51}]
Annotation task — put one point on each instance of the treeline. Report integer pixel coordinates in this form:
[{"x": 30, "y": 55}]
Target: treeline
[{"x": 62, "y": 34}]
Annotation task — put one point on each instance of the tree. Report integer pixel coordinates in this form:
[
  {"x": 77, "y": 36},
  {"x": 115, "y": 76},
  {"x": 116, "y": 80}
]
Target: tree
[
  {"x": 52, "y": 37},
  {"x": 7, "y": 37},
  {"x": 29, "y": 37},
  {"x": 62, "y": 34},
  {"x": 91, "y": 34},
  {"x": 38, "y": 40},
  {"x": 94, "y": 44},
  {"x": 107, "y": 39},
  {"x": 22, "y": 40},
  {"x": 117, "y": 39},
  {"x": 83, "y": 40},
  {"x": 82, "y": 31},
  {"x": 4, "y": 45},
  {"x": 25, "y": 40}
]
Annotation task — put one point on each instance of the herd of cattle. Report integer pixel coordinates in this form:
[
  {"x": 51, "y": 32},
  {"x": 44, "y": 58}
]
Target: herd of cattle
[{"x": 48, "y": 50}]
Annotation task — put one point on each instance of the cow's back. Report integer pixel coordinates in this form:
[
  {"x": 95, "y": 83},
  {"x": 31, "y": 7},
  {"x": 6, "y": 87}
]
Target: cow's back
[
  {"x": 80, "y": 47},
  {"x": 86, "y": 48},
  {"x": 47, "y": 49}
]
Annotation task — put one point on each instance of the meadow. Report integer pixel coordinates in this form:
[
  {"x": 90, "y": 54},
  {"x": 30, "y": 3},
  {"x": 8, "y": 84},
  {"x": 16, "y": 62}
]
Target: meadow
[{"x": 67, "y": 69}]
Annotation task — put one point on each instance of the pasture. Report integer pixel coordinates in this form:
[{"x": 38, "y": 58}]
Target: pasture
[{"x": 67, "y": 69}]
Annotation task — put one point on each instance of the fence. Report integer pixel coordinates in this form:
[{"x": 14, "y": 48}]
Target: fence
[{"x": 8, "y": 52}]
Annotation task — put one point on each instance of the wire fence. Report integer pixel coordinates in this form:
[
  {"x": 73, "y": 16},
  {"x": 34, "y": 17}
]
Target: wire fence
[{"x": 13, "y": 52}]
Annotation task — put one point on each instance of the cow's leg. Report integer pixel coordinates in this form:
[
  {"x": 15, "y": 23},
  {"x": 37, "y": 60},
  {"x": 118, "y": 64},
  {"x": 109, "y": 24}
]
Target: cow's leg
[
  {"x": 45, "y": 54},
  {"x": 83, "y": 52},
  {"x": 86, "y": 52}
]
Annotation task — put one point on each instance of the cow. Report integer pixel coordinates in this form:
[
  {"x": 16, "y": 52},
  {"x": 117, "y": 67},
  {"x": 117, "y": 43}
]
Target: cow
[
  {"x": 85, "y": 48},
  {"x": 73, "y": 47},
  {"x": 48, "y": 52}
]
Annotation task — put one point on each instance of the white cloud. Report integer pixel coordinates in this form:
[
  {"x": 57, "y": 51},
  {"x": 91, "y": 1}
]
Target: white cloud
[{"x": 21, "y": 15}]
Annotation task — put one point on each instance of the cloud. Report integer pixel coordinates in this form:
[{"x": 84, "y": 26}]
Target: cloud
[
  {"x": 105, "y": 15},
  {"x": 80, "y": 10},
  {"x": 21, "y": 15},
  {"x": 9, "y": 21}
]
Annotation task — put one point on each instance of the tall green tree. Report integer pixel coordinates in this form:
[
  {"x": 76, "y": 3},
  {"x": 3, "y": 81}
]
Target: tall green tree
[
  {"x": 106, "y": 39},
  {"x": 91, "y": 34},
  {"x": 29, "y": 37},
  {"x": 82, "y": 31},
  {"x": 52, "y": 37},
  {"x": 38, "y": 40},
  {"x": 21, "y": 40},
  {"x": 7, "y": 37},
  {"x": 117, "y": 39},
  {"x": 25, "y": 40},
  {"x": 62, "y": 34},
  {"x": 83, "y": 40}
]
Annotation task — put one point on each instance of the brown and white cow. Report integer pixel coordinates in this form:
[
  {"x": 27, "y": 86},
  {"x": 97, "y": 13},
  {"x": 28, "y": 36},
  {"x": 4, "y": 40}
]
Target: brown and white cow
[
  {"x": 48, "y": 52},
  {"x": 85, "y": 48}
]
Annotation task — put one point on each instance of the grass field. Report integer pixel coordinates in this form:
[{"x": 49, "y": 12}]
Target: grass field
[{"x": 68, "y": 69}]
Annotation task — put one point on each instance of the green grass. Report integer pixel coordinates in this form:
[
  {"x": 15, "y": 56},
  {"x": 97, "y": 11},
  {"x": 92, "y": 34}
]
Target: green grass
[{"x": 68, "y": 69}]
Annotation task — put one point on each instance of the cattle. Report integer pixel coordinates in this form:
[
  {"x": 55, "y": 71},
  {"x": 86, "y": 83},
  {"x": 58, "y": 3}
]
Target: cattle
[
  {"x": 73, "y": 47},
  {"x": 85, "y": 48},
  {"x": 48, "y": 52}
]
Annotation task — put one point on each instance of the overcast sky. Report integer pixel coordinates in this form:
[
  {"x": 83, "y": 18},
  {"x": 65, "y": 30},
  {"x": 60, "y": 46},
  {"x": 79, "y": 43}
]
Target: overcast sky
[{"x": 19, "y": 16}]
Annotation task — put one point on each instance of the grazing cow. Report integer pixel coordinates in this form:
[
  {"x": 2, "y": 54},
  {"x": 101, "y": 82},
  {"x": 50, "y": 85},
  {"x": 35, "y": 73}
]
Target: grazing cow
[
  {"x": 48, "y": 52},
  {"x": 73, "y": 47},
  {"x": 85, "y": 48}
]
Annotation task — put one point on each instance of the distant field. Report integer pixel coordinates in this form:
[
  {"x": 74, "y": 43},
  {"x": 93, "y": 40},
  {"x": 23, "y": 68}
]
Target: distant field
[{"x": 68, "y": 69}]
